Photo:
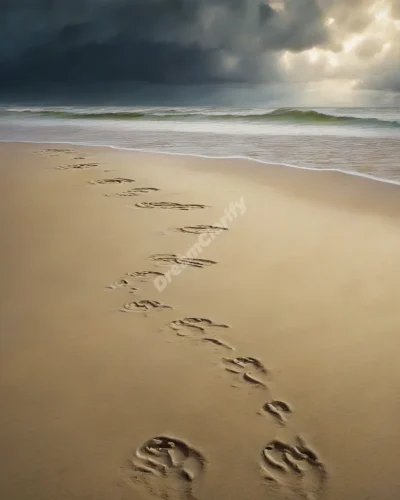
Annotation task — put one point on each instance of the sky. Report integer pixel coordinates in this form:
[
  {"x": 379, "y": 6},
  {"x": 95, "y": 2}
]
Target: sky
[{"x": 335, "y": 46}]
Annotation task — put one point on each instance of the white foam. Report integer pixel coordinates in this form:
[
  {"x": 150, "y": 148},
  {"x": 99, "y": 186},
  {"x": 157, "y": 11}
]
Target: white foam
[{"x": 255, "y": 160}]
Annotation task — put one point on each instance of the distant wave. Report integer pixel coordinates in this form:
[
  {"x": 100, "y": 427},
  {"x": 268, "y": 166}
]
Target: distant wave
[{"x": 283, "y": 115}]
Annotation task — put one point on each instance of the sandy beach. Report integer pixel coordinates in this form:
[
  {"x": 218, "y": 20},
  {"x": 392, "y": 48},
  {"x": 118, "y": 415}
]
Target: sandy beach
[{"x": 179, "y": 327}]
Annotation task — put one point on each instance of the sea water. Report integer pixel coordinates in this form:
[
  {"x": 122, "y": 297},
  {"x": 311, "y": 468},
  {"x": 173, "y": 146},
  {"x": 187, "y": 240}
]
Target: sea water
[{"x": 355, "y": 140}]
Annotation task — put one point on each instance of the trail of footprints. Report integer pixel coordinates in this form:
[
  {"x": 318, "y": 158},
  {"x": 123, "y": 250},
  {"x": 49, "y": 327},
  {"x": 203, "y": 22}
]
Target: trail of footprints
[{"x": 169, "y": 467}]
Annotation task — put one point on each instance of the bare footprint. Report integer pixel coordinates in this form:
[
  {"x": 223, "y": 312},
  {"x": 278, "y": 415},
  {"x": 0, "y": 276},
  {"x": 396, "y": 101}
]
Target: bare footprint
[
  {"x": 145, "y": 276},
  {"x": 167, "y": 467},
  {"x": 202, "y": 229},
  {"x": 169, "y": 205},
  {"x": 296, "y": 469},
  {"x": 247, "y": 370},
  {"x": 185, "y": 326},
  {"x": 137, "y": 191},
  {"x": 79, "y": 166},
  {"x": 278, "y": 409},
  {"x": 116, "y": 180},
  {"x": 122, "y": 283},
  {"x": 200, "y": 329},
  {"x": 55, "y": 150},
  {"x": 144, "y": 306},
  {"x": 130, "y": 278},
  {"x": 170, "y": 259}
]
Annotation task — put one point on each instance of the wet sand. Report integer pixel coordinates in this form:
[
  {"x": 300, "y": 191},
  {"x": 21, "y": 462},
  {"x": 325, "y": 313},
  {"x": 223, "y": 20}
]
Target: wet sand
[{"x": 178, "y": 327}]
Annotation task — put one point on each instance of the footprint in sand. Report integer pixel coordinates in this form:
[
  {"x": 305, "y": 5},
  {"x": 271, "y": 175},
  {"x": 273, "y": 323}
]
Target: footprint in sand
[
  {"x": 202, "y": 229},
  {"x": 278, "y": 409},
  {"x": 122, "y": 283},
  {"x": 166, "y": 467},
  {"x": 295, "y": 469},
  {"x": 145, "y": 276},
  {"x": 79, "y": 166},
  {"x": 144, "y": 306},
  {"x": 169, "y": 205},
  {"x": 131, "y": 278},
  {"x": 185, "y": 325},
  {"x": 115, "y": 180},
  {"x": 199, "y": 329},
  {"x": 247, "y": 371},
  {"x": 52, "y": 153},
  {"x": 56, "y": 151},
  {"x": 137, "y": 191},
  {"x": 170, "y": 259}
]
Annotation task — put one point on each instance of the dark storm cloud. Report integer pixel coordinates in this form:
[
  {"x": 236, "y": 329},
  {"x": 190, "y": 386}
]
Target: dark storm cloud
[{"x": 167, "y": 41}]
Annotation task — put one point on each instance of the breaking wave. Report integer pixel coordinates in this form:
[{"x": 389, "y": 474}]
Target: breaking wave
[{"x": 283, "y": 115}]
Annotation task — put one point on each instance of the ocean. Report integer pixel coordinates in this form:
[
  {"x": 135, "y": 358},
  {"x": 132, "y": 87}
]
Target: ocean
[{"x": 363, "y": 141}]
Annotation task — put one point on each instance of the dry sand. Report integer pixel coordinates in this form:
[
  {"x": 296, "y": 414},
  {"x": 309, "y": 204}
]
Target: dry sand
[{"x": 105, "y": 396}]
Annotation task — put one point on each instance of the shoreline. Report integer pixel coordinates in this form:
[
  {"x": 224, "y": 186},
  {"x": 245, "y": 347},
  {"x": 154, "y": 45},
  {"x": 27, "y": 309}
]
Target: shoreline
[{"x": 242, "y": 158}]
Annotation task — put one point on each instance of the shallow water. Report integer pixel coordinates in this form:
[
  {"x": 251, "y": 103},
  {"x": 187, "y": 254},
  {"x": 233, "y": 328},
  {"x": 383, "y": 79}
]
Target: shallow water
[{"x": 359, "y": 140}]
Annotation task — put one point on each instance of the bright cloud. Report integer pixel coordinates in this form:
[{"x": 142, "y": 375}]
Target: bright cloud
[{"x": 355, "y": 50}]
